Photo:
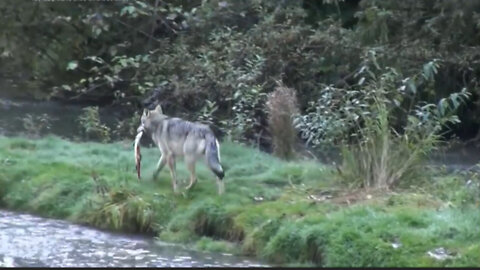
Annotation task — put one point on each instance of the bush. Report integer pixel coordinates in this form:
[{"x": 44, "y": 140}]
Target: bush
[
  {"x": 92, "y": 127},
  {"x": 247, "y": 113},
  {"x": 382, "y": 158},
  {"x": 36, "y": 125},
  {"x": 385, "y": 131},
  {"x": 282, "y": 106}
]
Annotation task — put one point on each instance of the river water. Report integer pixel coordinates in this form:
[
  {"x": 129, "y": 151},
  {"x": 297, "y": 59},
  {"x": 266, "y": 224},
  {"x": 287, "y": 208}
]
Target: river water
[{"x": 30, "y": 241}]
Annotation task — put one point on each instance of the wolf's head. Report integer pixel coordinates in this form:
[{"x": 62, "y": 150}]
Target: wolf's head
[{"x": 149, "y": 117}]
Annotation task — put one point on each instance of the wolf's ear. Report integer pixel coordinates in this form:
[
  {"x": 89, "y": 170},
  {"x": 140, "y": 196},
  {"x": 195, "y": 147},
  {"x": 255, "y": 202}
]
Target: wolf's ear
[
  {"x": 146, "y": 112},
  {"x": 159, "y": 109}
]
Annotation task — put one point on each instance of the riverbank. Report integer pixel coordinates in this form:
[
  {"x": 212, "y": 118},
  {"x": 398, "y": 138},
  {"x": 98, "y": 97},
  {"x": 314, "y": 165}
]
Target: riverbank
[{"x": 284, "y": 212}]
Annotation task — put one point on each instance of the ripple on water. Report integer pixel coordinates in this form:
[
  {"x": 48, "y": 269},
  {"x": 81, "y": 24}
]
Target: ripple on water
[{"x": 29, "y": 241}]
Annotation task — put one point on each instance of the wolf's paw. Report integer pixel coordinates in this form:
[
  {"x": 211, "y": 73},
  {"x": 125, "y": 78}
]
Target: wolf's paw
[
  {"x": 191, "y": 185},
  {"x": 221, "y": 187}
]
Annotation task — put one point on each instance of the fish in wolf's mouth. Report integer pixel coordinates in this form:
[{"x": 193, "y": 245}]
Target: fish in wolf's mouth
[{"x": 138, "y": 155}]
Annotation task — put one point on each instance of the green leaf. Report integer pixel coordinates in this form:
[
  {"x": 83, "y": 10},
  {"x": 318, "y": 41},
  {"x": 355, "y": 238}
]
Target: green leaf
[
  {"x": 455, "y": 100},
  {"x": 360, "y": 82},
  {"x": 442, "y": 105},
  {"x": 127, "y": 9},
  {"x": 411, "y": 86},
  {"x": 72, "y": 65},
  {"x": 123, "y": 62},
  {"x": 429, "y": 70},
  {"x": 237, "y": 94},
  {"x": 97, "y": 31},
  {"x": 142, "y": 4},
  {"x": 113, "y": 51},
  {"x": 95, "y": 59}
]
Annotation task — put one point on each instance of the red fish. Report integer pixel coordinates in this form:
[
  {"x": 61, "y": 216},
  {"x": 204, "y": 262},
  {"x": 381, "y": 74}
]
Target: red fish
[{"x": 138, "y": 155}]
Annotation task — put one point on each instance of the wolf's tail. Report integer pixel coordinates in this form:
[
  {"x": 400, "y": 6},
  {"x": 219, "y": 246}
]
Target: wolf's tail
[{"x": 213, "y": 155}]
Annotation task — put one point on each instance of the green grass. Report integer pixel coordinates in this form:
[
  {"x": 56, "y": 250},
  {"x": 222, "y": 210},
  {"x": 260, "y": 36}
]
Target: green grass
[{"x": 95, "y": 184}]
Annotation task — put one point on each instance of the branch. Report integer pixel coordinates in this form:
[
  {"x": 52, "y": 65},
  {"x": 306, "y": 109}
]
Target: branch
[{"x": 88, "y": 91}]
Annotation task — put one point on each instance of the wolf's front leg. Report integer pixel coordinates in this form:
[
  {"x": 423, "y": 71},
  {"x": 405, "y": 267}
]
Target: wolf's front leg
[{"x": 161, "y": 163}]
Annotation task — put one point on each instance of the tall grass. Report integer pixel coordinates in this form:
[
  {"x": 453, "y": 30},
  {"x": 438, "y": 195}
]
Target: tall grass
[
  {"x": 383, "y": 128},
  {"x": 383, "y": 158},
  {"x": 391, "y": 142}
]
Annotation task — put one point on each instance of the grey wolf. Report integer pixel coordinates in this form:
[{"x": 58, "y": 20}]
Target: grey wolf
[{"x": 176, "y": 137}]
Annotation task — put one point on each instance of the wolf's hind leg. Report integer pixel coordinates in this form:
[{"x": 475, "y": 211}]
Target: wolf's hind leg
[
  {"x": 191, "y": 168},
  {"x": 161, "y": 163},
  {"x": 171, "y": 165}
]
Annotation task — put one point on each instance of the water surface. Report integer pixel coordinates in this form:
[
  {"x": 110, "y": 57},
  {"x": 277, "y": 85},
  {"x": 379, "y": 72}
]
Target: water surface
[{"x": 31, "y": 241}]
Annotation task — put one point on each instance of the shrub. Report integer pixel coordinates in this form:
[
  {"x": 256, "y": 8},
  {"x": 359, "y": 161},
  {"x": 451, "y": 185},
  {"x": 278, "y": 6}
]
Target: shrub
[
  {"x": 247, "y": 112},
  {"x": 385, "y": 132},
  {"x": 382, "y": 158},
  {"x": 282, "y": 106},
  {"x": 92, "y": 127},
  {"x": 36, "y": 125}
]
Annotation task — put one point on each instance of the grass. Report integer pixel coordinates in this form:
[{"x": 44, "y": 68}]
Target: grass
[{"x": 271, "y": 208}]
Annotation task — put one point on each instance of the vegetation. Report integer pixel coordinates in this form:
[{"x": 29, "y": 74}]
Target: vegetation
[
  {"x": 35, "y": 125},
  {"x": 92, "y": 127},
  {"x": 384, "y": 141},
  {"x": 229, "y": 55},
  {"x": 385, "y": 82},
  {"x": 285, "y": 212}
]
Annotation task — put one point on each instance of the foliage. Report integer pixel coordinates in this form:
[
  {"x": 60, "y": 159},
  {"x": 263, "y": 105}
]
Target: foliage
[
  {"x": 385, "y": 129},
  {"x": 206, "y": 113},
  {"x": 219, "y": 61},
  {"x": 382, "y": 156},
  {"x": 216, "y": 50},
  {"x": 35, "y": 125},
  {"x": 248, "y": 105},
  {"x": 91, "y": 126},
  {"x": 223, "y": 50}
]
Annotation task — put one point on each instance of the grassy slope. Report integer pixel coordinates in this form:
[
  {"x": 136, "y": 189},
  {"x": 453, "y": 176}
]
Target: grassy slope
[{"x": 55, "y": 178}]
